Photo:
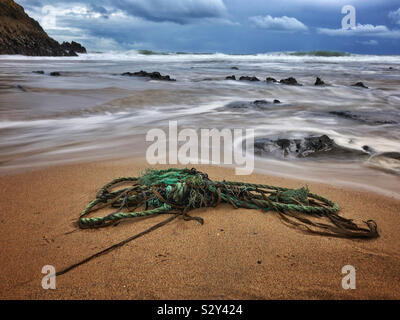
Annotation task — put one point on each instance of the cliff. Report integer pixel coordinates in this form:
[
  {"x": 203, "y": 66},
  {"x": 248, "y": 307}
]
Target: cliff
[{"x": 20, "y": 34}]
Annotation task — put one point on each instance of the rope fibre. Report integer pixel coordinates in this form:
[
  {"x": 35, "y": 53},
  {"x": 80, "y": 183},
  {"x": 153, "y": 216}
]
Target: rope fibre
[{"x": 178, "y": 191}]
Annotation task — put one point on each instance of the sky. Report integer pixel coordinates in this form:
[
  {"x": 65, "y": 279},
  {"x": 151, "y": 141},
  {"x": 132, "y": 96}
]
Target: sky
[{"x": 226, "y": 26}]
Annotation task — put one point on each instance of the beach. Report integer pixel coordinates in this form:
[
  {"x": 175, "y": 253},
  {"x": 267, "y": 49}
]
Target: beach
[
  {"x": 236, "y": 254},
  {"x": 69, "y": 125}
]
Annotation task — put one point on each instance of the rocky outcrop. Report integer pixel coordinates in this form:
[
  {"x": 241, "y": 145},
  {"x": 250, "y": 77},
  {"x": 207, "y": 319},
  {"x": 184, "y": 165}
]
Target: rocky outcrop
[
  {"x": 270, "y": 79},
  {"x": 290, "y": 81},
  {"x": 73, "y": 47},
  {"x": 230, "y": 77},
  {"x": 151, "y": 75},
  {"x": 360, "y": 84},
  {"x": 256, "y": 105},
  {"x": 369, "y": 117},
  {"x": 20, "y": 34},
  {"x": 247, "y": 78},
  {"x": 321, "y": 146},
  {"x": 319, "y": 82}
]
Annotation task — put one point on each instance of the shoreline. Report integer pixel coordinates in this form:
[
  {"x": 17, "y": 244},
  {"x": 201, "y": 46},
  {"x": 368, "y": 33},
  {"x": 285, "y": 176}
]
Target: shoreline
[{"x": 184, "y": 260}]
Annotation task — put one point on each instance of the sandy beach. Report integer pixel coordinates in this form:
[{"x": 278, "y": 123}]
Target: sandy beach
[{"x": 236, "y": 254}]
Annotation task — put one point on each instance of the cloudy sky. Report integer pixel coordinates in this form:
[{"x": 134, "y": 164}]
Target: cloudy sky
[{"x": 229, "y": 26}]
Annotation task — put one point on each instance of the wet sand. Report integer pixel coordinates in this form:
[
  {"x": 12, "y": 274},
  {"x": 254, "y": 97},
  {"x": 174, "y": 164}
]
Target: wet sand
[{"x": 236, "y": 254}]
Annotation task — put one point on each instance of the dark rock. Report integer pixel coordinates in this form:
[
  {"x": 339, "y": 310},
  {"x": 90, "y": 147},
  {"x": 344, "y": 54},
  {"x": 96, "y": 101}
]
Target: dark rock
[
  {"x": 359, "y": 84},
  {"x": 20, "y": 34},
  {"x": 374, "y": 118},
  {"x": 246, "y": 78},
  {"x": 321, "y": 146},
  {"x": 258, "y": 102},
  {"x": 276, "y": 101},
  {"x": 319, "y": 82},
  {"x": 368, "y": 149},
  {"x": 38, "y": 72},
  {"x": 55, "y": 74},
  {"x": 270, "y": 79},
  {"x": 235, "y": 68},
  {"x": 251, "y": 105},
  {"x": 73, "y": 47},
  {"x": 290, "y": 81},
  {"x": 151, "y": 75},
  {"x": 230, "y": 77}
]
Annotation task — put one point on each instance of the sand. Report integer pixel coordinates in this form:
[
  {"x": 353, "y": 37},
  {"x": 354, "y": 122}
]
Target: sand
[{"x": 236, "y": 254}]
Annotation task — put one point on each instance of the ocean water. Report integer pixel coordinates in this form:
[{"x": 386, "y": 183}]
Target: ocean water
[{"x": 93, "y": 112}]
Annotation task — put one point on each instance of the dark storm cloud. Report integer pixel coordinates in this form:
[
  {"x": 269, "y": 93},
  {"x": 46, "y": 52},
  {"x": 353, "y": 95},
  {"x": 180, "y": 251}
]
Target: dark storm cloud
[{"x": 232, "y": 26}]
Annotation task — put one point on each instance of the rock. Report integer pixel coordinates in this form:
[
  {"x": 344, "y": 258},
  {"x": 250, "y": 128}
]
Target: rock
[
  {"x": 258, "y": 102},
  {"x": 368, "y": 149},
  {"x": 359, "y": 84},
  {"x": 38, "y": 72},
  {"x": 290, "y": 81},
  {"x": 55, "y": 74},
  {"x": 319, "y": 82},
  {"x": 270, "y": 79},
  {"x": 246, "y": 78},
  {"x": 369, "y": 117},
  {"x": 20, "y": 34},
  {"x": 276, "y": 101},
  {"x": 235, "y": 68},
  {"x": 73, "y": 47},
  {"x": 230, "y": 77},
  {"x": 151, "y": 75},
  {"x": 252, "y": 105},
  {"x": 321, "y": 146}
]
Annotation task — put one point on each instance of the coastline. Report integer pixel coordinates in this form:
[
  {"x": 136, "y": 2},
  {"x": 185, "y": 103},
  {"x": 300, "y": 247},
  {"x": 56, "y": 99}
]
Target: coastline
[{"x": 236, "y": 254}]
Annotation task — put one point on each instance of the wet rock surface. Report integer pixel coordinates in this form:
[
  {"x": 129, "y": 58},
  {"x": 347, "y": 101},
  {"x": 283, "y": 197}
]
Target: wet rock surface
[
  {"x": 313, "y": 146},
  {"x": 319, "y": 82},
  {"x": 230, "y": 77},
  {"x": 255, "y": 105},
  {"x": 152, "y": 75},
  {"x": 360, "y": 85},
  {"x": 373, "y": 118},
  {"x": 247, "y": 78},
  {"x": 290, "y": 81},
  {"x": 271, "y": 80}
]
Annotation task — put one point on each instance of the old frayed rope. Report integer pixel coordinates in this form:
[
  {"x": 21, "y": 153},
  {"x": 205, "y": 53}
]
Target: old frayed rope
[{"x": 178, "y": 191}]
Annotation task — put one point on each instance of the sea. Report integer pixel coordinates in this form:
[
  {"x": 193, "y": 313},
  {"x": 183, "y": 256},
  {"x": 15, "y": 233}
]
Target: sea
[{"x": 93, "y": 112}]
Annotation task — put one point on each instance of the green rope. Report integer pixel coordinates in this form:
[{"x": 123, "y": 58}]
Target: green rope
[
  {"x": 178, "y": 191},
  {"x": 182, "y": 190}
]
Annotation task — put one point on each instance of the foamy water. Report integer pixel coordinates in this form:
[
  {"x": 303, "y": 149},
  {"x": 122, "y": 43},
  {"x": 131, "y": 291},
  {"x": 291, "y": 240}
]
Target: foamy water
[{"x": 92, "y": 112}]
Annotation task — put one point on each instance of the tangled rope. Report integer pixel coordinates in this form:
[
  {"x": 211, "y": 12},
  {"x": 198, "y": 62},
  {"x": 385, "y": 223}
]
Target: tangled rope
[{"x": 178, "y": 191}]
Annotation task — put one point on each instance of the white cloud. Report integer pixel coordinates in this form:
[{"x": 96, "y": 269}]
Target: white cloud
[
  {"x": 362, "y": 30},
  {"x": 278, "y": 23},
  {"x": 395, "y": 16}
]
